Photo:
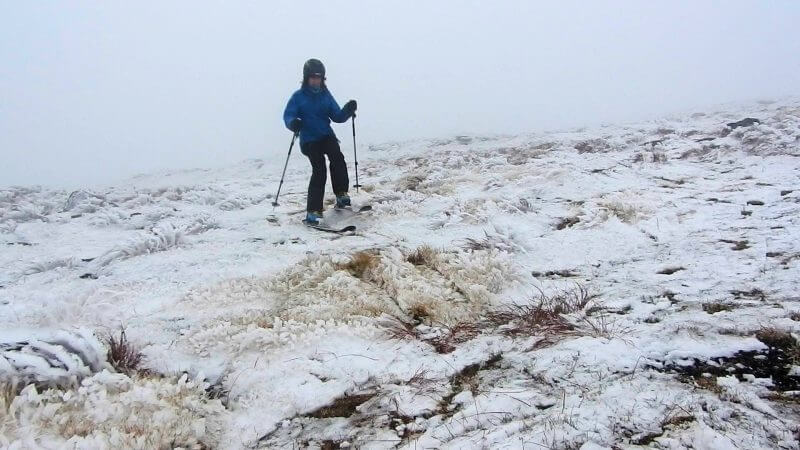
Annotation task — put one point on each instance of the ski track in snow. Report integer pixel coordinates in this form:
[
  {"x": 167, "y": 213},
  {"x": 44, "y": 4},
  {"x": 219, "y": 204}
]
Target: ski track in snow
[{"x": 661, "y": 220}]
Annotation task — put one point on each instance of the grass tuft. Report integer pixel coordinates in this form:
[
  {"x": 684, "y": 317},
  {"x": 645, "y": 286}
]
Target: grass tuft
[
  {"x": 624, "y": 212},
  {"x": 9, "y": 389},
  {"x": 123, "y": 355},
  {"x": 776, "y": 338},
  {"x": 544, "y": 314},
  {"x": 424, "y": 255},
  {"x": 361, "y": 263},
  {"x": 455, "y": 335},
  {"x": 567, "y": 222},
  {"x": 444, "y": 342},
  {"x": 715, "y": 307}
]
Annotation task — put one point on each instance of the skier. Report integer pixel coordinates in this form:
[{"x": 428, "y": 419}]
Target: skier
[{"x": 309, "y": 113}]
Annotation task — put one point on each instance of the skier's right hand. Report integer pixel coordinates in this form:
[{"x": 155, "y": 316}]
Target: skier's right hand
[{"x": 296, "y": 124}]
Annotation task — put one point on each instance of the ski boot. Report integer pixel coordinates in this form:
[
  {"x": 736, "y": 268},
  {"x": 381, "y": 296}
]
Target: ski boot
[
  {"x": 313, "y": 218},
  {"x": 343, "y": 201}
]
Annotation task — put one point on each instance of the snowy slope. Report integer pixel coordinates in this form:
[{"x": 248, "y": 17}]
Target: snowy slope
[{"x": 585, "y": 289}]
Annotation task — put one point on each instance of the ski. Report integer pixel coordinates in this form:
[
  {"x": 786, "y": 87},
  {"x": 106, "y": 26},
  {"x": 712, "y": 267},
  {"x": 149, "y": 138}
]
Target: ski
[
  {"x": 347, "y": 229},
  {"x": 361, "y": 209}
]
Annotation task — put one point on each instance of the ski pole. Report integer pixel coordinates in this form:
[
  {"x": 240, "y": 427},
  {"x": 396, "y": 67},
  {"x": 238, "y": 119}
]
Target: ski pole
[
  {"x": 275, "y": 203},
  {"x": 355, "y": 153}
]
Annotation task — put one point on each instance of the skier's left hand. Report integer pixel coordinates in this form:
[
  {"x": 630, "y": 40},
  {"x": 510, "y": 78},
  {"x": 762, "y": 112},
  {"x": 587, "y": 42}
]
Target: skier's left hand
[{"x": 350, "y": 107}]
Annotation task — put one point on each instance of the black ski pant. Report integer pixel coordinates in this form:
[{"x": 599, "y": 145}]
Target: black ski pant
[{"x": 316, "y": 151}]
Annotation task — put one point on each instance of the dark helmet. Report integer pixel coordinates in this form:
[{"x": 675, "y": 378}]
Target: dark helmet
[{"x": 313, "y": 67}]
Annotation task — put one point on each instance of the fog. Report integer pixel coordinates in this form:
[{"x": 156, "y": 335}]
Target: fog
[{"x": 92, "y": 92}]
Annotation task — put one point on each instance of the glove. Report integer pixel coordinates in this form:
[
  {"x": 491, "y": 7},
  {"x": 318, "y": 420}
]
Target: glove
[
  {"x": 350, "y": 107},
  {"x": 296, "y": 124}
]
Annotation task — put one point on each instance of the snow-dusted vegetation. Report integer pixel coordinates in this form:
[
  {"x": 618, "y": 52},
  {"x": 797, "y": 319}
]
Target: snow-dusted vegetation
[{"x": 623, "y": 286}]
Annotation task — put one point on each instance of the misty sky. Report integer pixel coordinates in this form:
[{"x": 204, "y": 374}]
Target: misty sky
[{"x": 91, "y": 92}]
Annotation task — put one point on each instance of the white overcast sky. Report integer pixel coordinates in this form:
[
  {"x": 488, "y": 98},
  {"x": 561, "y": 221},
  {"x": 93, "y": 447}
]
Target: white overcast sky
[{"x": 94, "y": 91}]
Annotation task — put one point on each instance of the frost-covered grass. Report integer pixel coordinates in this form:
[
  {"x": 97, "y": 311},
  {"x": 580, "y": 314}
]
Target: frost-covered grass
[
  {"x": 112, "y": 410},
  {"x": 617, "y": 287}
]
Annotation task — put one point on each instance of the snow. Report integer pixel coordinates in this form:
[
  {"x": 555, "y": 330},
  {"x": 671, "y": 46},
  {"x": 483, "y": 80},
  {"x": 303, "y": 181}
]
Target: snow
[
  {"x": 224, "y": 293},
  {"x": 49, "y": 356}
]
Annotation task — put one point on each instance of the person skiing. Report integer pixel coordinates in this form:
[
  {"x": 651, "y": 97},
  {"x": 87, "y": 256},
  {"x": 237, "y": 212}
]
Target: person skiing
[{"x": 309, "y": 112}]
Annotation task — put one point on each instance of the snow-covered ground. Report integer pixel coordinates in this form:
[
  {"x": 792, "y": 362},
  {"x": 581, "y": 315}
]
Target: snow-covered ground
[{"x": 600, "y": 288}]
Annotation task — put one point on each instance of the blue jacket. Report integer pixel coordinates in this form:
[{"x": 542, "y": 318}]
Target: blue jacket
[{"x": 316, "y": 110}]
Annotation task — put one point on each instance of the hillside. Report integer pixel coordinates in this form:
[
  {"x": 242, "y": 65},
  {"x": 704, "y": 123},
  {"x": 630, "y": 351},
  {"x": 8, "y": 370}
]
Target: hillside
[{"x": 597, "y": 288}]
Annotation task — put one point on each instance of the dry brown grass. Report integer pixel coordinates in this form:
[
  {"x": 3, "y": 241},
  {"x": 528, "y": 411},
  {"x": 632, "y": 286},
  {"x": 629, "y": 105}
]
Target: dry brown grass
[
  {"x": 601, "y": 324},
  {"x": 776, "y": 338},
  {"x": 652, "y": 156},
  {"x": 566, "y": 301},
  {"x": 524, "y": 205},
  {"x": 424, "y": 255},
  {"x": 400, "y": 329},
  {"x": 567, "y": 222},
  {"x": 455, "y": 335},
  {"x": 9, "y": 389},
  {"x": 697, "y": 152},
  {"x": 420, "y": 311},
  {"x": 754, "y": 293},
  {"x": 446, "y": 342},
  {"x": 624, "y": 212},
  {"x": 561, "y": 273},
  {"x": 737, "y": 245},
  {"x": 341, "y": 407},
  {"x": 707, "y": 383},
  {"x": 592, "y": 146},
  {"x": 123, "y": 355},
  {"x": 544, "y": 315},
  {"x": 490, "y": 242},
  {"x": 677, "y": 420},
  {"x": 478, "y": 244},
  {"x": 419, "y": 378},
  {"x": 715, "y": 307},
  {"x": 410, "y": 183},
  {"x": 467, "y": 378},
  {"x": 361, "y": 263},
  {"x": 181, "y": 404},
  {"x": 529, "y": 320}
]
